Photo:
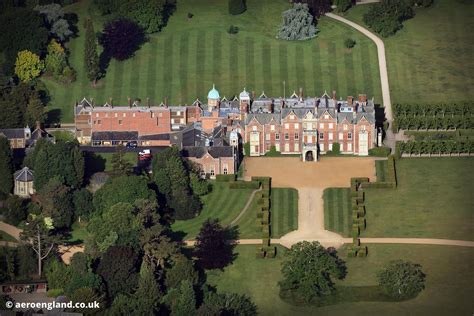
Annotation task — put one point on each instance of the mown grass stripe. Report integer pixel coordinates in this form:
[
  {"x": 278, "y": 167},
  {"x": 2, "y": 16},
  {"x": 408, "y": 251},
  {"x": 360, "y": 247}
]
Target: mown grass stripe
[
  {"x": 346, "y": 211},
  {"x": 283, "y": 63},
  {"x": 333, "y": 77},
  {"x": 316, "y": 70},
  {"x": 200, "y": 54},
  {"x": 152, "y": 70},
  {"x": 366, "y": 69},
  {"x": 266, "y": 69},
  {"x": 234, "y": 69},
  {"x": 330, "y": 208},
  {"x": 216, "y": 57},
  {"x": 168, "y": 68},
  {"x": 249, "y": 64},
  {"x": 349, "y": 73},
  {"x": 183, "y": 68},
  {"x": 300, "y": 67}
]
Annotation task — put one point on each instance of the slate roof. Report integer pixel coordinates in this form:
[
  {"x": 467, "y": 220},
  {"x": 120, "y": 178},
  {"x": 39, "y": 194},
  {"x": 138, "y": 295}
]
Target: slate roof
[
  {"x": 200, "y": 151},
  {"x": 12, "y": 133},
  {"x": 155, "y": 137},
  {"x": 41, "y": 133},
  {"x": 263, "y": 118},
  {"x": 109, "y": 136},
  {"x": 24, "y": 175}
]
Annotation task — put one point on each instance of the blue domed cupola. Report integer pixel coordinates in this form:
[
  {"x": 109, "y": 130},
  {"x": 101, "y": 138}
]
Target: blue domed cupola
[{"x": 213, "y": 98}]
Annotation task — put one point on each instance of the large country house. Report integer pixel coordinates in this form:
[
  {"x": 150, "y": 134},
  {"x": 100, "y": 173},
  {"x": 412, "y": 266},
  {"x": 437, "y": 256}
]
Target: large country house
[{"x": 295, "y": 125}]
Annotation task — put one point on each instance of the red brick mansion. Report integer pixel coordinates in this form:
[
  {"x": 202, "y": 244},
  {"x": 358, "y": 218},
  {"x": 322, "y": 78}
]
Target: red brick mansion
[{"x": 295, "y": 125}]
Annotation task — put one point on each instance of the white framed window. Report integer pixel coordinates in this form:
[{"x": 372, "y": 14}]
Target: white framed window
[
  {"x": 287, "y": 126},
  {"x": 133, "y": 114},
  {"x": 349, "y": 136},
  {"x": 341, "y": 136},
  {"x": 287, "y": 147},
  {"x": 330, "y": 136},
  {"x": 297, "y": 136},
  {"x": 309, "y": 126},
  {"x": 97, "y": 115},
  {"x": 178, "y": 113},
  {"x": 362, "y": 127},
  {"x": 254, "y": 128},
  {"x": 331, "y": 125},
  {"x": 297, "y": 147},
  {"x": 310, "y": 139},
  {"x": 272, "y": 127},
  {"x": 345, "y": 127},
  {"x": 321, "y": 125},
  {"x": 172, "y": 121},
  {"x": 277, "y": 146},
  {"x": 297, "y": 126},
  {"x": 287, "y": 136},
  {"x": 349, "y": 147},
  {"x": 326, "y": 117},
  {"x": 267, "y": 136},
  {"x": 212, "y": 172},
  {"x": 292, "y": 117},
  {"x": 277, "y": 136},
  {"x": 225, "y": 169},
  {"x": 330, "y": 146},
  {"x": 115, "y": 114},
  {"x": 321, "y": 135},
  {"x": 321, "y": 147},
  {"x": 124, "y": 114}
]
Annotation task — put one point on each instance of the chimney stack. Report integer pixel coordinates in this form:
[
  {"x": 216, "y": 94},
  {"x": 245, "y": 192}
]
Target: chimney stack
[
  {"x": 110, "y": 102},
  {"x": 301, "y": 94},
  {"x": 253, "y": 95},
  {"x": 334, "y": 96},
  {"x": 362, "y": 98},
  {"x": 129, "y": 102},
  {"x": 92, "y": 102}
]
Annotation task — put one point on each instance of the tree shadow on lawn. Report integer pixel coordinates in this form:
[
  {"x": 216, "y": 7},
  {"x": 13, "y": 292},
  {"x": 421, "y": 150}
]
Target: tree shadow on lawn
[{"x": 344, "y": 294}]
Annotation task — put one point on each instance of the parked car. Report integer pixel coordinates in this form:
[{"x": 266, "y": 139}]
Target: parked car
[
  {"x": 144, "y": 154},
  {"x": 132, "y": 144}
]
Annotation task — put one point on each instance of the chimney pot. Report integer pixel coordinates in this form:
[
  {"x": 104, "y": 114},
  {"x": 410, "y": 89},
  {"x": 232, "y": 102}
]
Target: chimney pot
[{"x": 129, "y": 102}]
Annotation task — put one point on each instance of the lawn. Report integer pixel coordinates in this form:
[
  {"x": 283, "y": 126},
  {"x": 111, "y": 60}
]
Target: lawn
[
  {"x": 189, "y": 55},
  {"x": 337, "y": 210},
  {"x": 78, "y": 232},
  {"x": 130, "y": 156},
  {"x": 6, "y": 237},
  {"x": 449, "y": 282},
  {"x": 222, "y": 203},
  {"x": 63, "y": 136},
  {"x": 432, "y": 200},
  {"x": 283, "y": 212},
  {"x": 431, "y": 59},
  {"x": 381, "y": 170}
]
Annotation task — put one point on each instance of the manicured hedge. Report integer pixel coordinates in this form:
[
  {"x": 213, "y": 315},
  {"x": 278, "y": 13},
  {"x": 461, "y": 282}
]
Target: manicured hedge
[
  {"x": 244, "y": 185},
  {"x": 266, "y": 217},
  {"x": 356, "y": 242},
  {"x": 362, "y": 251},
  {"x": 225, "y": 178},
  {"x": 355, "y": 231},
  {"x": 265, "y": 242},
  {"x": 379, "y": 151}
]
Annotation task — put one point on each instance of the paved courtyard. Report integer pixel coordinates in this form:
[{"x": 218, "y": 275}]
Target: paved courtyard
[{"x": 310, "y": 179}]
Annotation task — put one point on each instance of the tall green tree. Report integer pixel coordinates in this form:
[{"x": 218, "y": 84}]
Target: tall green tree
[
  {"x": 182, "y": 269},
  {"x": 28, "y": 66},
  {"x": 148, "y": 293},
  {"x": 6, "y": 166},
  {"x": 182, "y": 300},
  {"x": 35, "y": 111},
  {"x": 237, "y": 7},
  {"x": 387, "y": 16},
  {"x": 120, "y": 164},
  {"x": 118, "y": 267},
  {"x": 56, "y": 202},
  {"x": 298, "y": 24},
  {"x": 308, "y": 270},
  {"x": 38, "y": 236},
  {"x": 402, "y": 279},
  {"x": 213, "y": 248},
  {"x": 91, "y": 57}
]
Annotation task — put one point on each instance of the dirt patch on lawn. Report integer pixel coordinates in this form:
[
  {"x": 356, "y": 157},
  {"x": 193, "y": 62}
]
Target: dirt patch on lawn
[{"x": 327, "y": 172}]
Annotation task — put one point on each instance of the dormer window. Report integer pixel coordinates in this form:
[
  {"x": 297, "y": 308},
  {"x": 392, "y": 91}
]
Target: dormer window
[{"x": 326, "y": 117}]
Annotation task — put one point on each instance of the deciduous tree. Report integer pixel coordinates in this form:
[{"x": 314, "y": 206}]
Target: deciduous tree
[
  {"x": 402, "y": 279},
  {"x": 213, "y": 248},
  {"x": 28, "y": 66},
  {"x": 120, "y": 164},
  {"x": 237, "y": 7},
  {"x": 6, "y": 166},
  {"x": 121, "y": 38},
  {"x": 35, "y": 111},
  {"x": 91, "y": 57},
  {"x": 308, "y": 270}
]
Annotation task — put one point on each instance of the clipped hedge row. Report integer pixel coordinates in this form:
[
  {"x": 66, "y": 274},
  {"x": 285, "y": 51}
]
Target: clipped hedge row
[
  {"x": 225, "y": 178},
  {"x": 244, "y": 185}
]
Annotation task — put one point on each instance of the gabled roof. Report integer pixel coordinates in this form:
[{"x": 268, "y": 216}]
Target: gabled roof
[
  {"x": 214, "y": 152},
  {"x": 24, "y": 175},
  {"x": 13, "y": 133},
  {"x": 263, "y": 118}
]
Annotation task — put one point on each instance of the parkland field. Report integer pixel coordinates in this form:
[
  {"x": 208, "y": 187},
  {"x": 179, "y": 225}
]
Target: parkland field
[
  {"x": 431, "y": 58},
  {"x": 449, "y": 285},
  {"x": 183, "y": 61},
  {"x": 432, "y": 200},
  {"x": 337, "y": 210}
]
